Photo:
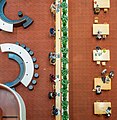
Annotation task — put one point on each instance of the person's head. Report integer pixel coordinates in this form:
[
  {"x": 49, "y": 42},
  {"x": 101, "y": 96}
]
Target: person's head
[
  {"x": 53, "y": 60},
  {"x": 108, "y": 115},
  {"x": 109, "y": 108},
  {"x": 98, "y": 48},
  {"x": 54, "y": 94},
  {"x": 55, "y": 111}
]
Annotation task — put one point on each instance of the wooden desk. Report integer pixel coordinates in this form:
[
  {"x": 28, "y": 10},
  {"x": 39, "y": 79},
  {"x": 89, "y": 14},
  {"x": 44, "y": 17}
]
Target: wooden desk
[
  {"x": 105, "y": 56},
  {"x": 102, "y": 3},
  {"x": 104, "y": 86},
  {"x": 104, "y": 28},
  {"x": 100, "y": 107}
]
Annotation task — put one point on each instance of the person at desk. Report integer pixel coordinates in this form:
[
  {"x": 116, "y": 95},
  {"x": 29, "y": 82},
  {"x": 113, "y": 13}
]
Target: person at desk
[
  {"x": 99, "y": 52},
  {"x": 97, "y": 10},
  {"x": 52, "y": 32},
  {"x": 52, "y": 95},
  {"x": 107, "y": 79},
  {"x": 99, "y": 37},
  {"x": 98, "y": 89},
  {"x": 52, "y": 61},
  {"x": 98, "y": 48},
  {"x": 111, "y": 74},
  {"x": 52, "y": 55},
  {"x": 108, "y": 112},
  {"x": 55, "y": 111},
  {"x": 103, "y": 71}
]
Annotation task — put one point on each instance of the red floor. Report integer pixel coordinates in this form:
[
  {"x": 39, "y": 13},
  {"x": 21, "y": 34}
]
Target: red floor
[
  {"x": 82, "y": 68},
  {"x": 37, "y": 38}
]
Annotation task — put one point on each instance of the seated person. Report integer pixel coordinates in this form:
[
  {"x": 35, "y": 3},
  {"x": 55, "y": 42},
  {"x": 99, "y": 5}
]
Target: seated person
[
  {"x": 98, "y": 48},
  {"x": 99, "y": 35},
  {"x": 99, "y": 52},
  {"x": 53, "y": 8},
  {"x": 55, "y": 111},
  {"x": 103, "y": 79},
  {"x": 104, "y": 71},
  {"x": 52, "y": 61},
  {"x": 111, "y": 74},
  {"x": 98, "y": 89},
  {"x": 108, "y": 112},
  {"x": 52, "y": 95},
  {"x": 97, "y": 10},
  {"x": 52, "y": 77},
  {"x": 52, "y": 32},
  {"x": 52, "y": 55},
  {"x": 107, "y": 79}
]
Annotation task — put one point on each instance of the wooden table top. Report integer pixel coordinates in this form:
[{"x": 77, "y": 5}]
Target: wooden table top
[
  {"x": 100, "y": 107},
  {"x": 103, "y": 28},
  {"x": 105, "y": 56},
  {"x": 102, "y": 3},
  {"x": 104, "y": 86}
]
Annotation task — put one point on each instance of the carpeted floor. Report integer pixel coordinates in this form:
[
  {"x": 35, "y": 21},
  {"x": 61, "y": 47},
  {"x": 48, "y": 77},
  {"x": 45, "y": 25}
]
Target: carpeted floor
[
  {"x": 37, "y": 38},
  {"x": 82, "y": 68}
]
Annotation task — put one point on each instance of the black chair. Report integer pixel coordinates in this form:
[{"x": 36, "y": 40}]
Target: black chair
[
  {"x": 111, "y": 74},
  {"x": 98, "y": 89},
  {"x": 104, "y": 71},
  {"x": 52, "y": 31},
  {"x": 98, "y": 48}
]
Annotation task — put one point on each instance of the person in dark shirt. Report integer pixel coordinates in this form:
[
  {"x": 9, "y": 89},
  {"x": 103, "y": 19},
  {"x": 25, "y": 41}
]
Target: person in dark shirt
[
  {"x": 52, "y": 32},
  {"x": 108, "y": 112},
  {"x": 52, "y": 78},
  {"x": 55, "y": 111},
  {"x": 52, "y": 95},
  {"x": 111, "y": 74}
]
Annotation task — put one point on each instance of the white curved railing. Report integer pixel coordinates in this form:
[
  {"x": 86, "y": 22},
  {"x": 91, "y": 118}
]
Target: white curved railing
[
  {"x": 29, "y": 66},
  {"x": 6, "y": 26},
  {"x": 22, "y": 107}
]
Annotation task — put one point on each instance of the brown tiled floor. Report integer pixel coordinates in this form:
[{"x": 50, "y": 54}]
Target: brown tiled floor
[
  {"x": 82, "y": 68},
  {"x": 37, "y": 38}
]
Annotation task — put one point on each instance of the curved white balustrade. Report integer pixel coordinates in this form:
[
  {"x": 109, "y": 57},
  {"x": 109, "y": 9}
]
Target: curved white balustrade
[
  {"x": 29, "y": 66},
  {"x": 6, "y": 26},
  {"x": 22, "y": 108}
]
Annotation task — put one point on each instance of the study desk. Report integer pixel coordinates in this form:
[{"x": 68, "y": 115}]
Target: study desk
[
  {"x": 100, "y": 107},
  {"x": 102, "y": 3},
  {"x": 105, "y": 56},
  {"x": 104, "y": 86},
  {"x": 103, "y": 28}
]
